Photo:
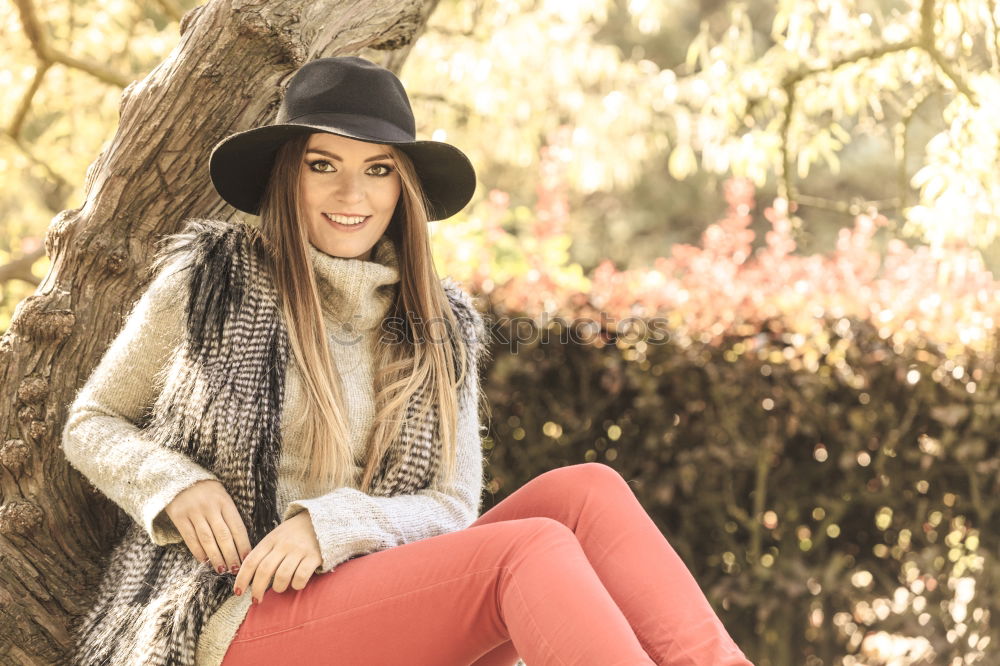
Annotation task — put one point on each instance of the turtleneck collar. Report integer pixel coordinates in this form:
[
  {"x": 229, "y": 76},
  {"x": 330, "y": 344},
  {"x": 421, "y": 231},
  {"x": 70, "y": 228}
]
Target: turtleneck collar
[{"x": 357, "y": 292}]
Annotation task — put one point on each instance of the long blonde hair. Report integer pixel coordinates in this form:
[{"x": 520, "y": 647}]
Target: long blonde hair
[{"x": 401, "y": 366}]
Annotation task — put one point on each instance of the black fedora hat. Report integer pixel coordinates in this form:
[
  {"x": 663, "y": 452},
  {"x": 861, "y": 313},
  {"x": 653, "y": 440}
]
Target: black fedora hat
[{"x": 351, "y": 97}]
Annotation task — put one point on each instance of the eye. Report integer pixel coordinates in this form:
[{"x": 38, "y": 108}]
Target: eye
[
  {"x": 312, "y": 165},
  {"x": 385, "y": 170}
]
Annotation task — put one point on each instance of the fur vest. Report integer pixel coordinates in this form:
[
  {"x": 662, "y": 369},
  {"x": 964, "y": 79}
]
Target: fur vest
[{"x": 154, "y": 600}]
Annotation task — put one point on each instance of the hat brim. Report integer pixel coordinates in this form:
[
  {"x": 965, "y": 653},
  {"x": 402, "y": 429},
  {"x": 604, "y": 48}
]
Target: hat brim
[{"x": 240, "y": 166}]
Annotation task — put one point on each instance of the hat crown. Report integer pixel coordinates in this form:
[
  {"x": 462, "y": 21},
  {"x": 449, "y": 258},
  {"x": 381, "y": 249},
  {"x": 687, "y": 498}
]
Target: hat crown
[
  {"x": 351, "y": 97},
  {"x": 347, "y": 85}
]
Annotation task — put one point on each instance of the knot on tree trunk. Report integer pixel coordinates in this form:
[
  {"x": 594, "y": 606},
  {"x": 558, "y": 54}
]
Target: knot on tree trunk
[
  {"x": 34, "y": 320},
  {"x": 33, "y": 389},
  {"x": 13, "y": 455},
  {"x": 20, "y": 518}
]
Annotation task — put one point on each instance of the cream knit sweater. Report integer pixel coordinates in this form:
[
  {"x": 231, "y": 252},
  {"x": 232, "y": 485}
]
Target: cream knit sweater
[{"x": 102, "y": 441}]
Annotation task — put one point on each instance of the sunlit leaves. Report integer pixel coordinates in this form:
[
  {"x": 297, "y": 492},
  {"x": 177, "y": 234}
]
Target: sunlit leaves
[
  {"x": 70, "y": 117},
  {"x": 528, "y": 71},
  {"x": 960, "y": 188},
  {"x": 682, "y": 162},
  {"x": 723, "y": 287},
  {"x": 820, "y": 48}
]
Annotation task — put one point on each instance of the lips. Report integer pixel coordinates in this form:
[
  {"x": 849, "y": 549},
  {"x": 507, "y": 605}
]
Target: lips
[
  {"x": 345, "y": 218},
  {"x": 345, "y": 224}
]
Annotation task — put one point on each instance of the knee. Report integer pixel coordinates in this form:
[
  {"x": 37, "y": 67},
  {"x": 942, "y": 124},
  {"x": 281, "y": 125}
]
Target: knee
[
  {"x": 534, "y": 528},
  {"x": 528, "y": 543},
  {"x": 509, "y": 543},
  {"x": 531, "y": 535},
  {"x": 590, "y": 475}
]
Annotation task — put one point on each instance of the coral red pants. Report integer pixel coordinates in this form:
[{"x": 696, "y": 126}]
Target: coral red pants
[{"x": 568, "y": 570}]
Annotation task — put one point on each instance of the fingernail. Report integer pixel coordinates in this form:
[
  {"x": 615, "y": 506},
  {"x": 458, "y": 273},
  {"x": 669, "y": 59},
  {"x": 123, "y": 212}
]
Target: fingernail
[
  {"x": 235, "y": 568},
  {"x": 255, "y": 600},
  {"x": 222, "y": 568},
  {"x": 237, "y": 591}
]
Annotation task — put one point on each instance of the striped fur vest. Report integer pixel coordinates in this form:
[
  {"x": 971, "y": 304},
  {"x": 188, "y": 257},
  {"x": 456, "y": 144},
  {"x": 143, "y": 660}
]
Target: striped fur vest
[{"x": 154, "y": 600}]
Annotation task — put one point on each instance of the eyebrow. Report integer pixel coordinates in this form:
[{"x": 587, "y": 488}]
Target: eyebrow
[{"x": 337, "y": 157}]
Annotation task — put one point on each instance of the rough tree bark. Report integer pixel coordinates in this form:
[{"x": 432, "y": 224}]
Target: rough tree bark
[{"x": 233, "y": 59}]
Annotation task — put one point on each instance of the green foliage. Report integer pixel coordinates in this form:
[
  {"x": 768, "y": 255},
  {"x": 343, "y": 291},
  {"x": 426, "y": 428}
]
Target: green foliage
[
  {"x": 57, "y": 119},
  {"x": 832, "y": 518},
  {"x": 832, "y": 105}
]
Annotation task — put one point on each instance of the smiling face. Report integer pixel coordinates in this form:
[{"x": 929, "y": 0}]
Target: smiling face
[{"x": 348, "y": 191}]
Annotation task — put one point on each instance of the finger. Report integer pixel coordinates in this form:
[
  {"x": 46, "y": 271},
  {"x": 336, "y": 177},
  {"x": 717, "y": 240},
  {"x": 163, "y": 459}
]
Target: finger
[
  {"x": 207, "y": 539},
  {"x": 241, "y": 540},
  {"x": 224, "y": 538},
  {"x": 249, "y": 567},
  {"x": 243, "y": 577},
  {"x": 283, "y": 575},
  {"x": 263, "y": 574},
  {"x": 186, "y": 530},
  {"x": 305, "y": 571}
]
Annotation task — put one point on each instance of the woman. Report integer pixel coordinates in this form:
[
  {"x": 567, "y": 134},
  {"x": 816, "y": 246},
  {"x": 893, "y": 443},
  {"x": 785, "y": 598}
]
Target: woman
[{"x": 291, "y": 417}]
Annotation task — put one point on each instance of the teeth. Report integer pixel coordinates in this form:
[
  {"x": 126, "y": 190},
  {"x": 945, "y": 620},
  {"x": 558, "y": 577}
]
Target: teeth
[{"x": 346, "y": 219}]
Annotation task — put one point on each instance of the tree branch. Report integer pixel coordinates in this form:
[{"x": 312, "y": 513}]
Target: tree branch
[
  {"x": 20, "y": 268},
  {"x": 762, "y": 469},
  {"x": 925, "y": 41},
  {"x": 851, "y": 208},
  {"x": 786, "y": 185},
  {"x": 928, "y": 43},
  {"x": 976, "y": 495},
  {"x": 949, "y": 71},
  {"x": 802, "y": 72},
  {"x": 60, "y": 183},
  {"x": 35, "y": 33},
  {"x": 17, "y": 122}
]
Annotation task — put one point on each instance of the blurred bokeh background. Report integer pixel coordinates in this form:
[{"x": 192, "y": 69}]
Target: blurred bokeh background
[{"x": 742, "y": 252}]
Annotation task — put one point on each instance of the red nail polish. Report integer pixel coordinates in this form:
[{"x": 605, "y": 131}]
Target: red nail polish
[
  {"x": 235, "y": 568},
  {"x": 222, "y": 568},
  {"x": 237, "y": 591},
  {"x": 255, "y": 600}
]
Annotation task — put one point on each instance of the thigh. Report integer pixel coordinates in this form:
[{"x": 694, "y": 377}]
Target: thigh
[{"x": 433, "y": 601}]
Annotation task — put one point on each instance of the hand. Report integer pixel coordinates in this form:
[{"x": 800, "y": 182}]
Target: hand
[
  {"x": 289, "y": 554},
  {"x": 207, "y": 518}
]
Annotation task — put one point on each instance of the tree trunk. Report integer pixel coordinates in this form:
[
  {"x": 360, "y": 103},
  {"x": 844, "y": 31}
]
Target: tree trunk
[{"x": 226, "y": 74}]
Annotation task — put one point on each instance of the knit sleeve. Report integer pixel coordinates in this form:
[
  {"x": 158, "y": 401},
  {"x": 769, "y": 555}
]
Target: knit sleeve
[
  {"x": 349, "y": 522},
  {"x": 101, "y": 437}
]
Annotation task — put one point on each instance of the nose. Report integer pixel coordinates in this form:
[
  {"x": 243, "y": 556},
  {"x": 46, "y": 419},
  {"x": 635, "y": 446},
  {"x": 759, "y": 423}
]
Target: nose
[{"x": 349, "y": 188}]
